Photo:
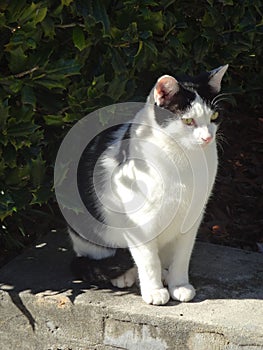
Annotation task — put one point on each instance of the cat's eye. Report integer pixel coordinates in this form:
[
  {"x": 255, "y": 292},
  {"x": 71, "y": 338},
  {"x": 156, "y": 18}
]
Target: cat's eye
[
  {"x": 188, "y": 121},
  {"x": 214, "y": 116}
]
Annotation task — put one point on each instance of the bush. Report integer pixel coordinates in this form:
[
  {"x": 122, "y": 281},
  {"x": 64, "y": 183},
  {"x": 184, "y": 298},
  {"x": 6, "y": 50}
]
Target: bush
[{"x": 61, "y": 60}]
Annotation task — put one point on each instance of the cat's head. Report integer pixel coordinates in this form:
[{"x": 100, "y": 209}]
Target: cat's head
[{"x": 194, "y": 103}]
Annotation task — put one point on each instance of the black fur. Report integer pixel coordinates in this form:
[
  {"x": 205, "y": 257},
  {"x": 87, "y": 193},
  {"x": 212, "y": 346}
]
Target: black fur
[
  {"x": 100, "y": 272},
  {"x": 88, "y": 160}
]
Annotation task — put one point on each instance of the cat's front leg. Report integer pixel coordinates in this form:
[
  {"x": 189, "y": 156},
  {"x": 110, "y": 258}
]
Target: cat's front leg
[
  {"x": 149, "y": 270},
  {"x": 177, "y": 279}
]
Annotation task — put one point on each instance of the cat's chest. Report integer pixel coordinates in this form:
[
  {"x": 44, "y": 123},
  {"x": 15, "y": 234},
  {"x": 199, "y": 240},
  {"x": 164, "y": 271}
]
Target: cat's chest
[{"x": 189, "y": 168}]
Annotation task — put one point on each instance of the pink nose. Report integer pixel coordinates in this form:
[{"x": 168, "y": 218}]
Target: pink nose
[{"x": 207, "y": 139}]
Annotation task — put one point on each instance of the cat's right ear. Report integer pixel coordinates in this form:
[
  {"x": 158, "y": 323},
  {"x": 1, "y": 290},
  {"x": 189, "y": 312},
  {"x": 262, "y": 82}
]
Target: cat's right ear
[
  {"x": 165, "y": 88},
  {"x": 215, "y": 78}
]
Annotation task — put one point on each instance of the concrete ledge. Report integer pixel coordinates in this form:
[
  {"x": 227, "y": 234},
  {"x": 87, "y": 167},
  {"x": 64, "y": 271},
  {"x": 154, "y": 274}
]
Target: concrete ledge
[{"x": 42, "y": 308}]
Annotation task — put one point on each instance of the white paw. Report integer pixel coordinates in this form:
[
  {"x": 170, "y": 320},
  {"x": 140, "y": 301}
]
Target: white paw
[
  {"x": 126, "y": 280},
  {"x": 156, "y": 296},
  {"x": 182, "y": 293}
]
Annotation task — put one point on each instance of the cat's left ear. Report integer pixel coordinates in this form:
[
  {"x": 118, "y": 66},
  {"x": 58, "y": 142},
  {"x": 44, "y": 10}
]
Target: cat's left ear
[
  {"x": 165, "y": 89},
  {"x": 215, "y": 78}
]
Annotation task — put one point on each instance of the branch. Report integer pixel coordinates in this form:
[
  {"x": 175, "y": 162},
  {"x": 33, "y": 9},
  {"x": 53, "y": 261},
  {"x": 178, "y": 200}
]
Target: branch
[{"x": 22, "y": 74}]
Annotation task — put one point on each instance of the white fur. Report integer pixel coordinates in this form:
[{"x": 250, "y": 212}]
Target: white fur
[
  {"x": 127, "y": 279},
  {"x": 154, "y": 202}
]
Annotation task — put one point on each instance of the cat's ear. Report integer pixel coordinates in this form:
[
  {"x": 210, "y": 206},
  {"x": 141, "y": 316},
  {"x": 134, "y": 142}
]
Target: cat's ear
[
  {"x": 165, "y": 89},
  {"x": 215, "y": 78}
]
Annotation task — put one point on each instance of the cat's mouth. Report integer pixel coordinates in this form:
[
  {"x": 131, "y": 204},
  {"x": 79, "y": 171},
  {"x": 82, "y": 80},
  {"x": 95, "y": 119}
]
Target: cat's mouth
[{"x": 204, "y": 142}]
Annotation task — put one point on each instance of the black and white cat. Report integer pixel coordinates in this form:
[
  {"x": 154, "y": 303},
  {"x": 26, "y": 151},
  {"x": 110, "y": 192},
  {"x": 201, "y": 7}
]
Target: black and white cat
[{"x": 148, "y": 181}]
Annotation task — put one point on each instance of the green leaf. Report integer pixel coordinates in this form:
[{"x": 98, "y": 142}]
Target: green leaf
[
  {"x": 48, "y": 27},
  {"x": 139, "y": 48},
  {"x": 117, "y": 62},
  {"x": 33, "y": 12},
  {"x": 22, "y": 129},
  {"x": 37, "y": 171},
  {"x": 11, "y": 84},
  {"x": 18, "y": 60},
  {"x": 208, "y": 20},
  {"x": 40, "y": 15},
  {"x": 22, "y": 198},
  {"x": 6, "y": 205},
  {"x": 117, "y": 88},
  {"x": 9, "y": 156},
  {"x": 52, "y": 84},
  {"x": 64, "y": 68},
  {"x": 2, "y": 167},
  {"x": 18, "y": 176},
  {"x": 55, "y": 75},
  {"x": 151, "y": 48},
  {"x": 41, "y": 195},
  {"x": 2, "y": 19},
  {"x": 20, "y": 143},
  {"x": 100, "y": 14},
  {"x": 187, "y": 36},
  {"x": 53, "y": 119},
  {"x": 4, "y": 114},
  {"x": 15, "y": 10},
  {"x": 27, "y": 96},
  {"x": 78, "y": 38},
  {"x": 70, "y": 117},
  {"x": 66, "y": 2},
  {"x": 153, "y": 21},
  {"x": 228, "y": 2}
]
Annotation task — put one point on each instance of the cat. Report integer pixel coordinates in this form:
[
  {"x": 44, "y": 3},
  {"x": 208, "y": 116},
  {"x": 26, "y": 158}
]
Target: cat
[{"x": 148, "y": 182}]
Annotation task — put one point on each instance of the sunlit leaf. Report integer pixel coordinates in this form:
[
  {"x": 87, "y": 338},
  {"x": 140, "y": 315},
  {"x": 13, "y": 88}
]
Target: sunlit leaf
[
  {"x": 53, "y": 119},
  {"x": 78, "y": 38}
]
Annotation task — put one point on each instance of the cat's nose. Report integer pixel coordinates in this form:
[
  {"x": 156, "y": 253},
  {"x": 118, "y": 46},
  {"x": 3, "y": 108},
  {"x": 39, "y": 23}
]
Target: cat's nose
[{"x": 207, "y": 139}]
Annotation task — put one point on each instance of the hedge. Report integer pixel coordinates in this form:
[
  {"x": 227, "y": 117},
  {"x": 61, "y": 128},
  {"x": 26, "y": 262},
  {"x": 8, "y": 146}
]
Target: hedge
[{"x": 60, "y": 60}]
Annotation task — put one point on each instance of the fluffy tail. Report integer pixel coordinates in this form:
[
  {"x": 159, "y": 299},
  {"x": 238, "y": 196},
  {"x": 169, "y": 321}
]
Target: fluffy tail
[{"x": 100, "y": 272}]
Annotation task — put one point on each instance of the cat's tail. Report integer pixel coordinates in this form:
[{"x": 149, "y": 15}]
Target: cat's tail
[{"x": 100, "y": 272}]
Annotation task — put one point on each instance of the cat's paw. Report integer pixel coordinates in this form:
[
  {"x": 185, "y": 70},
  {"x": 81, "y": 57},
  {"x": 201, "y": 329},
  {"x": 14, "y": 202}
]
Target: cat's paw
[
  {"x": 126, "y": 280},
  {"x": 182, "y": 293},
  {"x": 156, "y": 296}
]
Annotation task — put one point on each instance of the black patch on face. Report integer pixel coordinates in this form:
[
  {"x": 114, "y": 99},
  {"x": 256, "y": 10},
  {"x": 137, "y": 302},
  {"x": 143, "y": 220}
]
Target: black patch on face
[
  {"x": 182, "y": 100},
  {"x": 88, "y": 161},
  {"x": 178, "y": 104},
  {"x": 204, "y": 89}
]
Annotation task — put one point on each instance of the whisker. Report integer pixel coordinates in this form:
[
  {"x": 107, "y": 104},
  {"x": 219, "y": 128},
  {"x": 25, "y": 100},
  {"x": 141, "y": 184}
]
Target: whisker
[
  {"x": 220, "y": 140},
  {"x": 222, "y": 99},
  {"x": 220, "y": 95},
  {"x": 215, "y": 104}
]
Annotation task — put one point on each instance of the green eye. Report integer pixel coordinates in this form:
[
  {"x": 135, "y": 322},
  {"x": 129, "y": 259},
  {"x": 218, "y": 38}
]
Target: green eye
[
  {"x": 214, "y": 116},
  {"x": 188, "y": 121}
]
